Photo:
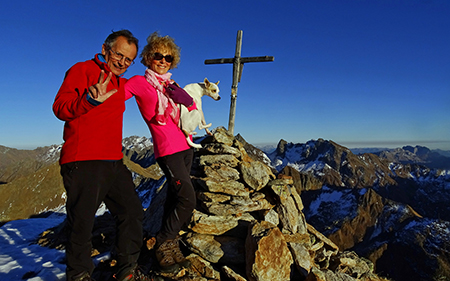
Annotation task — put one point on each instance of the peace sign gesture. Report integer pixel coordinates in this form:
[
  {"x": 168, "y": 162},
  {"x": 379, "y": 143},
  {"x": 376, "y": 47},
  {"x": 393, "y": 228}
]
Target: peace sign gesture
[{"x": 98, "y": 91}]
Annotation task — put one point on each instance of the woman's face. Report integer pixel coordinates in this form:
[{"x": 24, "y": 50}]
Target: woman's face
[{"x": 158, "y": 64}]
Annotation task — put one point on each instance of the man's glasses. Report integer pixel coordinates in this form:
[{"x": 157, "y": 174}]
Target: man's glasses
[
  {"x": 118, "y": 56},
  {"x": 159, "y": 56}
]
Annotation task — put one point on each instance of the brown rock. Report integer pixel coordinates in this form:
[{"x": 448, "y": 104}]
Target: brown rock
[
  {"x": 291, "y": 217},
  {"x": 320, "y": 237},
  {"x": 233, "y": 276},
  {"x": 215, "y": 161},
  {"x": 268, "y": 257},
  {"x": 255, "y": 174},
  {"x": 218, "y": 148},
  {"x": 226, "y": 209},
  {"x": 229, "y": 187},
  {"x": 223, "y": 173},
  {"x": 271, "y": 216},
  {"x": 213, "y": 197},
  {"x": 302, "y": 258},
  {"x": 212, "y": 225},
  {"x": 205, "y": 246},
  {"x": 221, "y": 135},
  {"x": 203, "y": 268}
]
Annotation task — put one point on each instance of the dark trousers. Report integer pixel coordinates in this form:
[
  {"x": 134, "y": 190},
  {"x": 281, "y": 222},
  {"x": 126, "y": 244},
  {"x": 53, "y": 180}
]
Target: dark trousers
[
  {"x": 180, "y": 201},
  {"x": 87, "y": 184}
]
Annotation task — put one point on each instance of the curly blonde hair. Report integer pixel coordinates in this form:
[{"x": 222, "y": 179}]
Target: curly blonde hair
[{"x": 156, "y": 42}]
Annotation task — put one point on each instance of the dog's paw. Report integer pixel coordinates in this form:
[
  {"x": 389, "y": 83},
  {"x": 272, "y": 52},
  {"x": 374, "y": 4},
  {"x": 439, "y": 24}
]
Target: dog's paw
[{"x": 204, "y": 126}]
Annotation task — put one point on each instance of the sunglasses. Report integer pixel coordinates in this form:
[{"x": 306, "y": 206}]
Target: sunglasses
[{"x": 159, "y": 56}]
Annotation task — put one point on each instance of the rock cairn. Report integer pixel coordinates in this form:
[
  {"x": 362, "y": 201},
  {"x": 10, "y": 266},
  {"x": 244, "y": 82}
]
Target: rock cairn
[{"x": 249, "y": 224}]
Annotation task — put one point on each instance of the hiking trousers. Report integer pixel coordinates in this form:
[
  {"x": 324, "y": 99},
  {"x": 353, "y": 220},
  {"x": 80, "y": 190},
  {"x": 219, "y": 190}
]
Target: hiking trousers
[
  {"x": 180, "y": 200},
  {"x": 87, "y": 184}
]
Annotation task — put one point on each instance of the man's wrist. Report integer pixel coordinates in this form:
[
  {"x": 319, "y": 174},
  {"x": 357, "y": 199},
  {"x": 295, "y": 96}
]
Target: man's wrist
[{"x": 91, "y": 100}]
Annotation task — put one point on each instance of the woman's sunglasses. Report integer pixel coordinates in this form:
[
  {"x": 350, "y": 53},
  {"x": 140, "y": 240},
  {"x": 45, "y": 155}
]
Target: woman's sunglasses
[{"x": 159, "y": 56}]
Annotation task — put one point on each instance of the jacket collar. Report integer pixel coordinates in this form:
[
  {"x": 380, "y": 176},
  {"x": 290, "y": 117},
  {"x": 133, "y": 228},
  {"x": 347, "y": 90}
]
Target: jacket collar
[{"x": 100, "y": 60}]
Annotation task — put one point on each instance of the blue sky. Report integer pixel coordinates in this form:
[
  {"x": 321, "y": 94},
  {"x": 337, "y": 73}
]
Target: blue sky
[{"x": 361, "y": 73}]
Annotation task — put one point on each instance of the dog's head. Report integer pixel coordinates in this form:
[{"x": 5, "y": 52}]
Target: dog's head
[{"x": 212, "y": 89}]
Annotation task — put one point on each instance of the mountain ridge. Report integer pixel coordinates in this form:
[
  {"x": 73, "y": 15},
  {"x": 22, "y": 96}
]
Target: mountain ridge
[
  {"x": 373, "y": 205},
  {"x": 364, "y": 203}
]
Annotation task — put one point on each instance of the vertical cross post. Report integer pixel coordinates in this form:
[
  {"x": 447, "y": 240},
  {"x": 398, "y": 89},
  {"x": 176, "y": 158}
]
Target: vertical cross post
[
  {"x": 236, "y": 74},
  {"x": 238, "y": 65}
]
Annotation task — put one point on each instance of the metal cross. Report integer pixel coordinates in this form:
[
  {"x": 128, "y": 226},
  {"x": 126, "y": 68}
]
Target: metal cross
[{"x": 238, "y": 65}]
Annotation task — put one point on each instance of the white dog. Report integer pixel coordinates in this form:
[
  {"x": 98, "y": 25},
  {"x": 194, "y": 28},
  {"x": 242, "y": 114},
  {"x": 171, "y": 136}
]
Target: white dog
[{"x": 190, "y": 120}]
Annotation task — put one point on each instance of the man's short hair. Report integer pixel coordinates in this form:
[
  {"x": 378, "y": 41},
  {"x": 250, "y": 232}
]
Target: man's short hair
[{"x": 111, "y": 39}]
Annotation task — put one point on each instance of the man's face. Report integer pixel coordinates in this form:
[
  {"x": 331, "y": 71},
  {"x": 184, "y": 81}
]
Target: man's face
[{"x": 120, "y": 55}]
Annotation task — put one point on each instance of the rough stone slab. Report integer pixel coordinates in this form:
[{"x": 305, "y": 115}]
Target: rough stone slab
[
  {"x": 327, "y": 242},
  {"x": 212, "y": 225},
  {"x": 218, "y": 148},
  {"x": 203, "y": 268},
  {"x": 240, "y": 200},
  {"x": 213, "y": 197},
  {"x": 302, "y": 258},
  {"x": 221, "y": 135},
  {"x": 231, "y": 275},
  {"x": 225, "y": 209},
  {"x": 271, "y": 216},
  {"x": 222, "y": 173},
  {"x": 205, "y": 246},
  {"x": 255, "y": 174},
  {"x": 268, "y": 256},
  {"x": 291, "y": 217},
  {"x": 216, "y": 161},
  {"x": 229, "y": 187}
]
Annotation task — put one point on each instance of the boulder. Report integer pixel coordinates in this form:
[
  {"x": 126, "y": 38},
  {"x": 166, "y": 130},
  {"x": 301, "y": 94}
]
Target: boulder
[{"x": 268, "y": 256}]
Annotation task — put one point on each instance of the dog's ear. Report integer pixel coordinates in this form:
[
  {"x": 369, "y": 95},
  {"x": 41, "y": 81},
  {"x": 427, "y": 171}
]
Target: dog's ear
[
  {"x": 206, "y": 82},
  {"x": 217, "y": 83}
]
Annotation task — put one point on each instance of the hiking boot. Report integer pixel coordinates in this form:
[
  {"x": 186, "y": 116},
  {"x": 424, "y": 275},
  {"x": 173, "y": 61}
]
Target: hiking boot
[
  {"x": 133, "y": 274},
  {"x": 178, "y": 255},
  {"x": 83, "y": 276},
  {"x": 164, "y": 255}
]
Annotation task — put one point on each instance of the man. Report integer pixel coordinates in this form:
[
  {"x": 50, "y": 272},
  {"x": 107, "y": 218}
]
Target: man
[{"x": 91, "y": 101}]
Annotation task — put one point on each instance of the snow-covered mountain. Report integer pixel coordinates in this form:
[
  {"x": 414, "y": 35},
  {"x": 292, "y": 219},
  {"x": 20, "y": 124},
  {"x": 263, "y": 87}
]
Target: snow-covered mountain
[
  {"x": 416, "y": 155},
  {"x": 139, "y": 150},
  {"x": 389, "y": 208}
]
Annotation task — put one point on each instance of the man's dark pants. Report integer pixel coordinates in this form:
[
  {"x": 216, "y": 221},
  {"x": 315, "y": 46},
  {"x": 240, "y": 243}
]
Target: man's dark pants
[{"x": 87, "y": 184}]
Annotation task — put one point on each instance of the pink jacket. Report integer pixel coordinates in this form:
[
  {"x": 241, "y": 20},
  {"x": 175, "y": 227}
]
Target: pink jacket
[{"x": 167, "y": 139}]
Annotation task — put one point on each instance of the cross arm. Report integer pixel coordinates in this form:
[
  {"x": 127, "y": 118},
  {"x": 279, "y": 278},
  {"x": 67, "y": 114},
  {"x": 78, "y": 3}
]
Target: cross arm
[{"x": 241, "y": 60}]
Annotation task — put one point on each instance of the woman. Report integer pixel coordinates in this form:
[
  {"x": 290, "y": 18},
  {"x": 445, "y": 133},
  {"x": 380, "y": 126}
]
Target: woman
[{"x": 157, "y": 105}]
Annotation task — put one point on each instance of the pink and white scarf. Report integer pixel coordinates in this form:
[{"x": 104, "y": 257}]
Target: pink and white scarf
[{"x": 158, "y": 81}]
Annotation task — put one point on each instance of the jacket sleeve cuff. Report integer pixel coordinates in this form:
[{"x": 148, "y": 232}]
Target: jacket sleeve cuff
[
  {"x": 192, "y": 107},
  {"x": 91, "y": 100}
]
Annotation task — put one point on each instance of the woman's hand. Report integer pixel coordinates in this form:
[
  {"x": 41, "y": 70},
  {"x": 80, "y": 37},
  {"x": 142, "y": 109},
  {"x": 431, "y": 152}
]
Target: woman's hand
[{"x": 98, "y": 91}]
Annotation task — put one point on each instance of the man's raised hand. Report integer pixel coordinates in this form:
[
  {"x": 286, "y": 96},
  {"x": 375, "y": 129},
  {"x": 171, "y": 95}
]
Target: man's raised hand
[{"x": 98, "y": 91}]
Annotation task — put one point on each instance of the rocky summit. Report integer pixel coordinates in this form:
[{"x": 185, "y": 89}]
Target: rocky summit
[
  {"x": 312, "y": 211},
  {"x": 248, "y": 225}
]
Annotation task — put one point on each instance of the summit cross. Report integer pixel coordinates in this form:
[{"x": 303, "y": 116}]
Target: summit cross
[{"x": 238, "y": 65}]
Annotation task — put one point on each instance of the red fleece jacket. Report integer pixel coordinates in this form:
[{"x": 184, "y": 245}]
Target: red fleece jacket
[{"x": 90, "y": 132}]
